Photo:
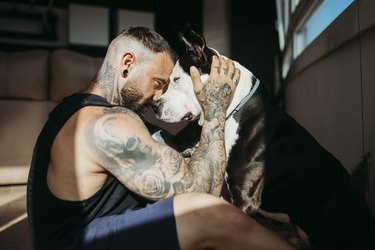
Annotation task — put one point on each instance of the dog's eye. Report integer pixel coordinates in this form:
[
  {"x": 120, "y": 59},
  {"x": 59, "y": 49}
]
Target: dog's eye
[{"x": 176, "y": 79}]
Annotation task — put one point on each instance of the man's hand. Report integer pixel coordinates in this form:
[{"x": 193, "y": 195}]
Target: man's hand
[{"x": 216, "y": 93}]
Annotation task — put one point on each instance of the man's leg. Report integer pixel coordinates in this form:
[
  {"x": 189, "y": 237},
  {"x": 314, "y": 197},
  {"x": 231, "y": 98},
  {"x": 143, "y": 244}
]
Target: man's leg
[
  {"x": 152, "y": 227},
  {"x": 204, "y": 221}
]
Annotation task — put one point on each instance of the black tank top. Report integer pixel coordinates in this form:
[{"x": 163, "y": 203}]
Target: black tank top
[{"x": 54, "y": 222}]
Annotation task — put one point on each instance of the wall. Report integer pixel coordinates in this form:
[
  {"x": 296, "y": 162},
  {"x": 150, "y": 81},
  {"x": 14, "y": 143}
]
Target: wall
[
  {"x": 330, "y": 89},
  {"x": 216, "y": 25},
  {"x": 253, "y": 38},
  {"x": 167, "y": 21}
]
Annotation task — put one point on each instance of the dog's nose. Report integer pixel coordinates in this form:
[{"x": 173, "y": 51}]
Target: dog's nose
[{"x": 156, "y": 106}]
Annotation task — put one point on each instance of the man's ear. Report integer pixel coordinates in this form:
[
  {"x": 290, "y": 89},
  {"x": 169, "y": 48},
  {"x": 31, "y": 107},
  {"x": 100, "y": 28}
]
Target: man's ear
[{"x": 128, "y": 59}]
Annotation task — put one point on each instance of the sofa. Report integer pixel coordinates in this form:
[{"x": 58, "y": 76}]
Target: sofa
[{"x": 31, "y": 84}]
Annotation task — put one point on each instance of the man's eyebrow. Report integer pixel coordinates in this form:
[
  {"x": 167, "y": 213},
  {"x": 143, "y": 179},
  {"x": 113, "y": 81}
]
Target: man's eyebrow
[{"x": 162, "y": 80}]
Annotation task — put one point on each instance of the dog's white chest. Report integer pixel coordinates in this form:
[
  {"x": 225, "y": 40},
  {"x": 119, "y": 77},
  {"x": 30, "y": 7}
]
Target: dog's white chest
[{"x": 231, "y": 135}]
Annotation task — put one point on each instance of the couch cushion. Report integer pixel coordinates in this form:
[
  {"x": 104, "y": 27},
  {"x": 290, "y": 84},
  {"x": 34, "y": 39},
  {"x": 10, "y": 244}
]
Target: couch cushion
[
  {"x": 21, "y": 123},
  {"x": 71, "y": 72},
  {"x": 24, "y": 74}
]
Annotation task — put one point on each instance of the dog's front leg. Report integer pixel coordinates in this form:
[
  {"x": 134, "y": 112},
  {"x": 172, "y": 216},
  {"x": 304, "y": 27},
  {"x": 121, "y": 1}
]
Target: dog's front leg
[{"x": 252, "y": 192}]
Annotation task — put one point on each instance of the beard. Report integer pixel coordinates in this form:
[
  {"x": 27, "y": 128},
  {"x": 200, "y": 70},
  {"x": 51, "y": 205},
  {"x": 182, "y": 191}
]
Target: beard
[{"x": 133, "y": 99}]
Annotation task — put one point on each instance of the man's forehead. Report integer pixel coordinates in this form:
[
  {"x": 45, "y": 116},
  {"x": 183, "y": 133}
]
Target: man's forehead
[
  {"x": 164, "y": 57},
  {"x": 161, "y": 62}
]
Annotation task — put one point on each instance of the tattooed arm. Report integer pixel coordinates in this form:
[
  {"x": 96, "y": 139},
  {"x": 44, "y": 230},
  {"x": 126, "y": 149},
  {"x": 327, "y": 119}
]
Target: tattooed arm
[
  {"x": 123, "y": 146},
  {"x": 214, "y": 97}
]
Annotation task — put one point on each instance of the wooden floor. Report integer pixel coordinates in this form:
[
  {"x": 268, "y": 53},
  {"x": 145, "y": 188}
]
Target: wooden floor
[{"x": 13, "y": 218}]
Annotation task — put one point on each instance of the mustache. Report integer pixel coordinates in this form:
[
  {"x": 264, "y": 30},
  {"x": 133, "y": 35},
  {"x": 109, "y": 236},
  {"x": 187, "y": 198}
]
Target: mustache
[
  {"x": 132, "y": 99},
  {"x": 141, "y": 108}
]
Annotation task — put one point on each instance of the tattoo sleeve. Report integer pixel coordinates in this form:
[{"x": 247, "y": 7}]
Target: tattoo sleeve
[
  {"x": 150, "y": 168},
  {"x": 209, "y": 157}
]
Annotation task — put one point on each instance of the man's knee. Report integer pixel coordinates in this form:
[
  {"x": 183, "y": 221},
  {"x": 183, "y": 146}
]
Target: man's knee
[
  {"x": 198, "y": 217},
  {"x": 203, "y": 219},
  {"x": 197, "y": 201},
  {"x": 210, "y": 210}
]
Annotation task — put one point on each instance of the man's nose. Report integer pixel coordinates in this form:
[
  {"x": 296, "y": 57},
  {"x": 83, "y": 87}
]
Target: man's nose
[{"x": 157, "y": 94}]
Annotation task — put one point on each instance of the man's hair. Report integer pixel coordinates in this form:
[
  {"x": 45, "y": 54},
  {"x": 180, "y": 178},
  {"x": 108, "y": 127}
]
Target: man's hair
[
  {"x": 143, "y": 41},
  {"x": 150, "y": 39}
]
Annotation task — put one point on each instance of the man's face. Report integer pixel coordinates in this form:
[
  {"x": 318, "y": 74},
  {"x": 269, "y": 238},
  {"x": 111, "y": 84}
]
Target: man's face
[{"x": 147, "y": 83}]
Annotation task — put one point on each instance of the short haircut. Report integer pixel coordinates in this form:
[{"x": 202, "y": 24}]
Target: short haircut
[{"x": 150, "y": 39}]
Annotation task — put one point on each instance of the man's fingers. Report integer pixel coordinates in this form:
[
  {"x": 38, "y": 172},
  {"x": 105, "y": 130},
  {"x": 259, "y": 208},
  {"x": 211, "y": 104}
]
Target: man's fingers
[
  {"x": 196, "y": 78},
  {"x": 215, "y": 66},
  {"x": 231, "y": 69},
  {"x": 236, "y": 76},
  {"x": 223, "y": 67}
]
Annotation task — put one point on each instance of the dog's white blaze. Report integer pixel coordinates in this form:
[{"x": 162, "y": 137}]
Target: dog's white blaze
[
  {"x": 231, "y": 135},
  {"x": 231, "y": 125},
  {"x": 243, "y": 87}
]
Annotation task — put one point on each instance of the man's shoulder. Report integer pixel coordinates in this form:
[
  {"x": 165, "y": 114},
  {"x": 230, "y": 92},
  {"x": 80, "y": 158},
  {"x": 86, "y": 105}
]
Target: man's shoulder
[
  {"x": 99, "y": 112},
  {"x": 118, "y": 121},
  {"x": 121, "y": 111}
]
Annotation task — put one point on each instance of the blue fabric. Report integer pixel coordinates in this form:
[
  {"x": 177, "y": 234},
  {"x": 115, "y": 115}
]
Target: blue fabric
[{"x": 152, "y": 227}]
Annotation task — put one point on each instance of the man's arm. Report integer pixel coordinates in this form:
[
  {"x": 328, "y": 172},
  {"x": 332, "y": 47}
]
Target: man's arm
[{"x": 123, "y": 146}]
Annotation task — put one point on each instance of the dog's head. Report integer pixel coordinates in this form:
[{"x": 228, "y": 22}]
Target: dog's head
[{"x": 179, "y": 103}]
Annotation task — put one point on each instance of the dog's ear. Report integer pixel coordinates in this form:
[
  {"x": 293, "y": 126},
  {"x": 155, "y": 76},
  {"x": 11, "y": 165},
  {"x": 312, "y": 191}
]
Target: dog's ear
[
  {"x": 199, "y": 54},
  {"x": 196, "y": 45},
  {"x": 193, "y": 42}
]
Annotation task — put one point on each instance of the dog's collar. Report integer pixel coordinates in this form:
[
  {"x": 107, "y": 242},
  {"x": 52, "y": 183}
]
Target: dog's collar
[{"x": 245, "y": 99}]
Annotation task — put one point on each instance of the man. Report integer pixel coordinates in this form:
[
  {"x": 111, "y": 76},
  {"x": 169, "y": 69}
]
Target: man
[{"x": 96, "y": 168}]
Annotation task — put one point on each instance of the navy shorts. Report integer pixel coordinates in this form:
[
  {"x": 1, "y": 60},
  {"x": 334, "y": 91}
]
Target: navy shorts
[{"x": 149, "y": 228}]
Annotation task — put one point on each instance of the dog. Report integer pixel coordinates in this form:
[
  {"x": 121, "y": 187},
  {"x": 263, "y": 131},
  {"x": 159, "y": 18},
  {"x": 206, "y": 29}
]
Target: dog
[{"x": 275, "y": 166}]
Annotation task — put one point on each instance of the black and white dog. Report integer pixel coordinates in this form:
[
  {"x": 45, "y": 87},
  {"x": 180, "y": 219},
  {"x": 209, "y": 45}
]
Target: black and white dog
[{"x": 274, "y": 164}]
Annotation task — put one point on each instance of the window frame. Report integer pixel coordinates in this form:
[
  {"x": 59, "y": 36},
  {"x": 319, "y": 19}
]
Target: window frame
[{"x": 337, "y": 33}]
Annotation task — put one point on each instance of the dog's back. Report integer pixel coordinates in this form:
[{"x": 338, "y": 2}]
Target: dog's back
[{"x": 301, "y": 178}]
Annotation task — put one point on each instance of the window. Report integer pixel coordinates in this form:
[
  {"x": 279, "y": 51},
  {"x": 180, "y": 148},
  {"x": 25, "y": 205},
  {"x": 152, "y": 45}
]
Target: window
[
  {"x": 280, "y": 23},
  {"x": 287, "y": 61},
  {"x": 323, "y": 14},
  {"x": 286, "y": 15},
  {"x": 294, "y": 4},
  {"x": 313, "y": 17}
]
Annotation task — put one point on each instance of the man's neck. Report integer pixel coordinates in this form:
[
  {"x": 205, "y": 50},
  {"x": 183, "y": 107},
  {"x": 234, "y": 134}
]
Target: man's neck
[{"x": 107, "y": 93}]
